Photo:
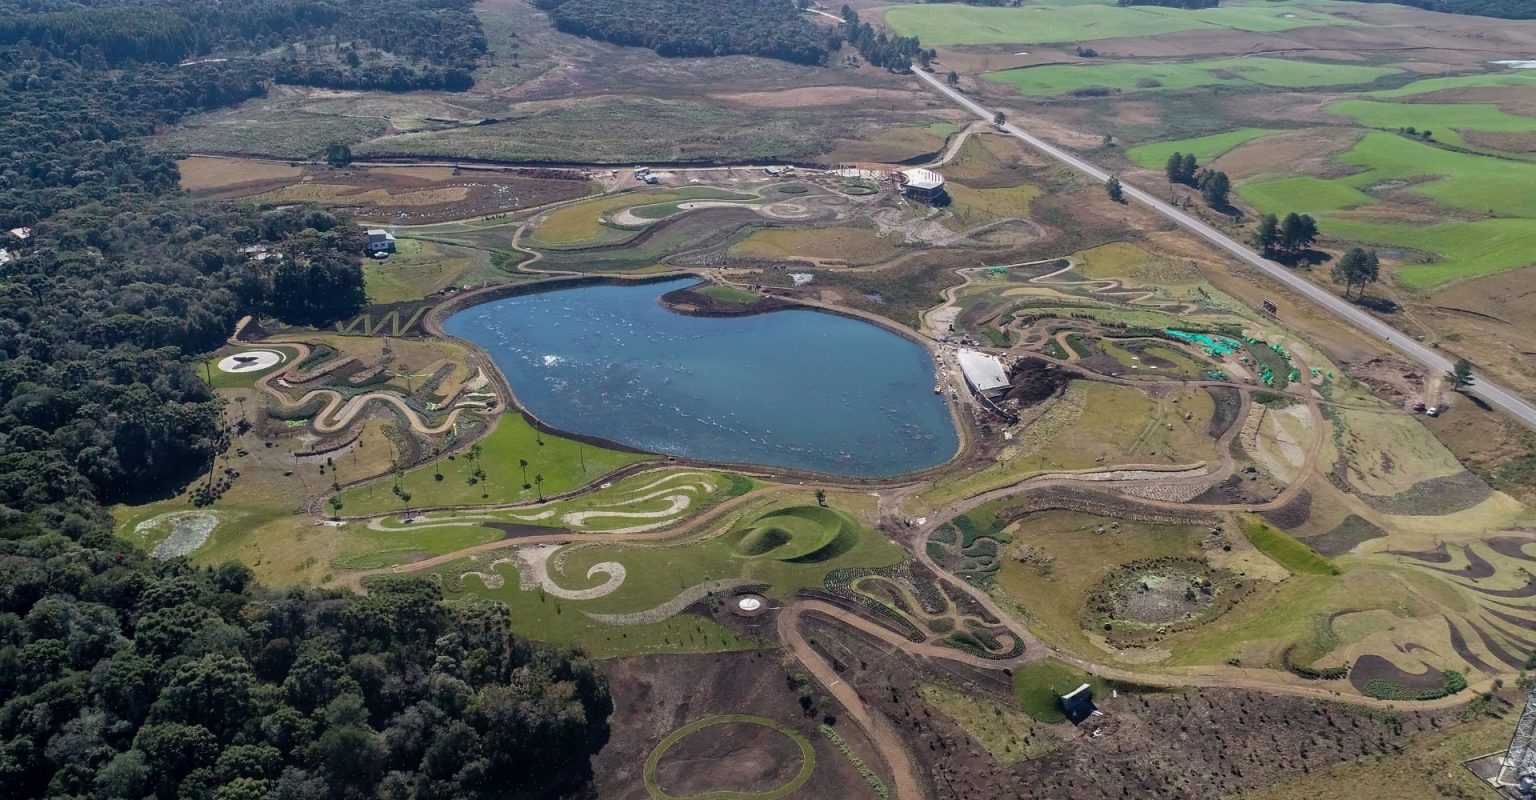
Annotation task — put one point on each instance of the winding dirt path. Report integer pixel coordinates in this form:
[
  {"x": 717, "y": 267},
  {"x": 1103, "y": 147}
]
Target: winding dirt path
[{"x": 340, "y": 410}]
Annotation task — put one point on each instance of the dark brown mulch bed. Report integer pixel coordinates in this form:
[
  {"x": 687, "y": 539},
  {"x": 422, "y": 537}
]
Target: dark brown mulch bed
[{"x": 1345, "y": 536}]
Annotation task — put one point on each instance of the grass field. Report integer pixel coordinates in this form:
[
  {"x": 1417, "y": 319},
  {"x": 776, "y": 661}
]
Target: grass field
[
  {"x": 1287, "y": 552},
  {"x": 286, "y": 134},
  {"x": 1058, "y": 79},
  {"x": 656, "y": 574},
  {"x": 1474, "y": 183},
  {"x": 1048, "y": 21},
  {"x": 1443, "y": 119},
  {"x": 419, "y": 268},
  {"x": 972, "y": 207},
  {"x": 1205, "y": 148},
  {"x": 1039, "y": 686},
  {"x": 565, "y": 465},
  {"x": 847, "y": 244},
  {"x": 581, "y": 224},
  {"x": 728, "y": 294}
]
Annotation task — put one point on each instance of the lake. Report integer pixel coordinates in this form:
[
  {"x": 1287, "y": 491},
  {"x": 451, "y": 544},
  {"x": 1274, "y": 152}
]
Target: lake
[{"x": 799, "y": 388}]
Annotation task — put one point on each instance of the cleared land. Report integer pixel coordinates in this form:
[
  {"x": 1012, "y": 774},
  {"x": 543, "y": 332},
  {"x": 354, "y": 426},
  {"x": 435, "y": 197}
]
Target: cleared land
[
  {"x": 1205, "y": 148},
  {"x": 1050, "y": 21},
  {"x": 1053, "y": 80}
]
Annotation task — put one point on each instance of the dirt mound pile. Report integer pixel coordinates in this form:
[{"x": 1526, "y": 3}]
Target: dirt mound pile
[{"x": 1032, "y": 381}]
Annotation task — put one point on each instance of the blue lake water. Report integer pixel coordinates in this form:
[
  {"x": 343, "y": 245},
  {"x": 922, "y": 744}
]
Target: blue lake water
[{"x": 798, "y": 388}]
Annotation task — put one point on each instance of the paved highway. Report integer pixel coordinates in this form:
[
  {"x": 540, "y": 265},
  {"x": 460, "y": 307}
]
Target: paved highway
[{"x": 1496, "y": 396}]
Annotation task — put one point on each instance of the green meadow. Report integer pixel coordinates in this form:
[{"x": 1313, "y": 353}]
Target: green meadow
[
  {"x": 1428, "y": 85},
  {"x": 1443, "y": 119},
  {"x": 1473, "y": 183},
  {"x": 1155, "y": 154},
  {"x": 1047, "y": 21},
  {"x": 1058, "y": 79}
]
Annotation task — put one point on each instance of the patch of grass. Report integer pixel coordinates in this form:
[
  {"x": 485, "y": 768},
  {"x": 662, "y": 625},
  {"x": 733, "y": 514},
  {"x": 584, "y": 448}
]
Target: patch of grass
[
  {"x": 1055, "y": 79},
  {"x": 972, "y": 207},
  {"x": 420, "y": 267},
  {"x": 1286, "y": 551},
  {"x": 564, "y": 463},
  {"x": 1039, "y": 686},
  {"x": 728, "y": 294},
  {"x": 1050, "y": 21},
  {"x": 1443, "y": 119},
  {"x": 1280, "y": 196},
  {"x": 219, "y": 379},
  {"x": 285, "y": 134},
  {"x": 845, "y": 244},
  {"x": 1205, "y": 148},
  {"x": 1467, "y": 249},
  {"x": 1007, "y": 735},
  {"x": 656, "y": 573}
]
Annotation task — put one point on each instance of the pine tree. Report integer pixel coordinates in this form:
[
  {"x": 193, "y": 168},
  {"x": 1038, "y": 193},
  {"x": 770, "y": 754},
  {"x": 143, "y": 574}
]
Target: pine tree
[
  {"x": 1357, "y": 268},
  {"x": 1268, "y": 235},
  {"x": 1116, "y": 191},
  {"x": 1460, "y": 376}
]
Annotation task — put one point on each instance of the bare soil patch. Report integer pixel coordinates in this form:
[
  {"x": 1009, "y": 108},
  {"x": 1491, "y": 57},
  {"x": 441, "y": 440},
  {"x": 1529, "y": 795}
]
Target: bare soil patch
[
  {"x": 731, "y": 756},
  {"x": 822, "y": 96},
  {"x": 1198, "y": 744},
  {"x": 1306, "y": 152},
  {"x": 207, "y": 174},
  {"x": 1226, "y": 403},
  {"x": 1345, "y": 536},
  {"x": 654, "y": 695},
  {"x": 1372, "y": 667}
]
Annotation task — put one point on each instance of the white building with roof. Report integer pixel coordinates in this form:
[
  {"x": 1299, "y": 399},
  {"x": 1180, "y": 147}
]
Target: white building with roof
[
  {"x": 380, "y": 241},
  {"x": 923, "y": 185},
  {"x": 983, "y": 372}
]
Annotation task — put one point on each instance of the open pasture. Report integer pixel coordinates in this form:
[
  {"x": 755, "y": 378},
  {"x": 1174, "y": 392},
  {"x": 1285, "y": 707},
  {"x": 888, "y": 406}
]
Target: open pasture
[
  {"x": 1050, "y": 21},
  {"x": 1447, "y": 121},
  {"x": 1154, "y": 155},
  {"x": 1057, "y": 79}
]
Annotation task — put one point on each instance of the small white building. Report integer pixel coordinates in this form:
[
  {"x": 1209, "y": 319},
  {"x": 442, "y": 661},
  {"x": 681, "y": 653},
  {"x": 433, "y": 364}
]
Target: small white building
[
  {"x": 983, "y": 373},
  {"x": 923, "y": 185},
  {"x": 380, "y": 241},
  {"x": 22, "y": 234}
]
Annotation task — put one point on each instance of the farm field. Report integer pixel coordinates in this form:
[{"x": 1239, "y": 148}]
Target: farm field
[
  {"x": 1053, "y": 80},
  {"x": 1087, "y": 20},
  {"x": 1447, "y": 121}
]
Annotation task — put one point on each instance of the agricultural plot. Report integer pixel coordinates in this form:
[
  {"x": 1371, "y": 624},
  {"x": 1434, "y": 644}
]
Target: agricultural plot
[
  {"x": 1386, "y": 162},
  {"x": 1206, "y": 148},
  {"x": 1050, "y": 21},
  {"x": 1446, "y": 121},
  {"x": 1053, "y": 80},
  {"x": 617, "y": 599}
]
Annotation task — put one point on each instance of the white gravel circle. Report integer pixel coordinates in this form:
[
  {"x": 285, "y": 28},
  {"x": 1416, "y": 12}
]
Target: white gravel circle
[{"x": 251, "y": 361}]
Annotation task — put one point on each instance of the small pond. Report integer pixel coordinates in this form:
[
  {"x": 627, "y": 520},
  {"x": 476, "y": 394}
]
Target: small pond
[{"x": 800, "y": 389}]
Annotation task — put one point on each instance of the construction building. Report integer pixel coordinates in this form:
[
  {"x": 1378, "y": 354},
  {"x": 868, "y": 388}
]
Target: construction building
[
  {"x": 984, "y": 373},
  {"x": 380, "y": 242},
  {"x": 923, "y": 185}
]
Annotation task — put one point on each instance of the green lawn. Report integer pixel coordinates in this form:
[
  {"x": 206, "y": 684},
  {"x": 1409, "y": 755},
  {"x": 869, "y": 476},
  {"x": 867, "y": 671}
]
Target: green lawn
[
  {"x": 219, "y": 379},
  {"x": 656, "y": 574},
  {"x": 1155, "y": 155},
  {"x": 565, "y": 465},
  {"x": 1286, "y": 551},
  {"x": 1056, "y": 79},
  {"x": 1444, "y": 119},
  {"x": 729, "y": 294},
  {"x": 1039, "y": 686},
  {"x": 1047, "y": 21},
  {"x": 1302, "y": 193}
]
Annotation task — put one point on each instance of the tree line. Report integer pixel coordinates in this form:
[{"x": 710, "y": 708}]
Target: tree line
[
  {"x": 1505, "y": 9},
  {"x": 1214, "y": 186},
  {"x": 430, "y": 44},
  {"x": 125, "y": 677},
  {"x": 768, "y": 28},
  {"x": 895, "y": 53}
]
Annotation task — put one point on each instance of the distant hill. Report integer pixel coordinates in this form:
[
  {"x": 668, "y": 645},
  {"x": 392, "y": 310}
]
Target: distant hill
[{"x": 1504, "y": 9}]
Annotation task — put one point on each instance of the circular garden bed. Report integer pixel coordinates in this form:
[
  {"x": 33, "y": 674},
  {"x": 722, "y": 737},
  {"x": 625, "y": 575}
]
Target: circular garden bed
[{"x": 739, "y": 756}]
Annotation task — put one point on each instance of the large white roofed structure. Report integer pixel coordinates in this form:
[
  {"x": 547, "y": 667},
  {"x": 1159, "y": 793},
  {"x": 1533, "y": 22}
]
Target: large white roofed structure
[{"x": 983, "y": 372}]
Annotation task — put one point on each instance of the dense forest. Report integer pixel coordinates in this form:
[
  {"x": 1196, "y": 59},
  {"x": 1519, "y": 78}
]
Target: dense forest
[
  {"x": 1504, "y": 9},
  {"x": 895, "y": 53},
  {"x": 122, "y": 677},
  {"x": 769, "y": 28},
  {"x": 376, "y": 44}
]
